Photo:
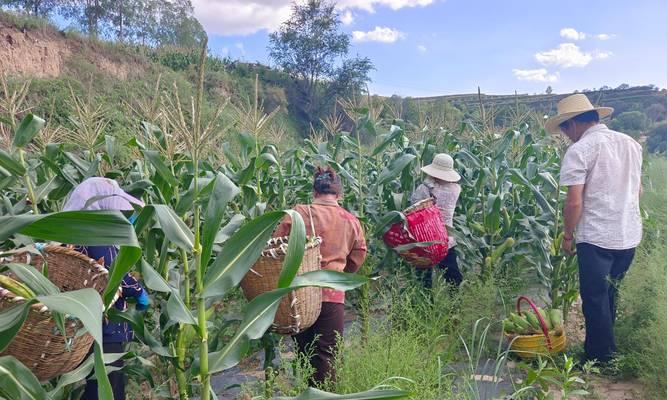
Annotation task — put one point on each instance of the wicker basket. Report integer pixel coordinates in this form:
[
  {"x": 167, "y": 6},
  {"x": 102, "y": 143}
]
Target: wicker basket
[
  {"x": 300, "y": 308},
  {"x": 39, "y": 345},
  {"x": 424, "y": 224},
  {"x": 531, "y": 346}
]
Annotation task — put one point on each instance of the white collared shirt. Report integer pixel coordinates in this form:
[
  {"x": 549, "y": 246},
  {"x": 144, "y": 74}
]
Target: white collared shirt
[{"x": 609, "y": 164}]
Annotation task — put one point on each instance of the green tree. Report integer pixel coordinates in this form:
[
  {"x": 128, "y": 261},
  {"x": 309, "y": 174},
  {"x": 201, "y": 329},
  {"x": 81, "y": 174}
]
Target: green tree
[
  {"x": 657, "y": 139},
  {"x": 177, "y": 26},
  {"x": 656, "y": 112},
  {"x": 124, "y": 17},
  {"x": 89, "y": 14},
  {"x": 633, "y": 123},
  {"x": 310, "y": 47},
  {"x": 145, "y": 32},
  {"x": 39, "y": 8}
]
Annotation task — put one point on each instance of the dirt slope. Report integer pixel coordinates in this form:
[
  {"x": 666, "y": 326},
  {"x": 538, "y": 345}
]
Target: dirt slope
[{"x": 45, "y": 53}]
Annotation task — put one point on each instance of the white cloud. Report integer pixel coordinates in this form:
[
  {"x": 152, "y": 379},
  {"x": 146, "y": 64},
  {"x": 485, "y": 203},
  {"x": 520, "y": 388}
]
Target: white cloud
[
  {"x": 535, "y": 75},
  {"x": 241, "y": 17},
  {"x": 369, "y": 5},
  {"x": 224, "y": 51},
  {"x": 422, "y": 48},
  {"x": 379, "y": 34},
  {"x": 566, "y": 55},
  {"x": 572, "y": 34},
  {"x": 244, "y": 17},
  {"x": 347, "y": 18},
  {"x": 602, "y": 55},
  {"x": 241, "y": 48}
]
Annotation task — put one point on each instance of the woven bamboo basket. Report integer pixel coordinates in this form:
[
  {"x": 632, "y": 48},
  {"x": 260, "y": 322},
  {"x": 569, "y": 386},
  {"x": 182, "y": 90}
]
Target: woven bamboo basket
[
  {"x": 423, "y": 224},
  {"x": 300, "y": 308},
  {"x": 39, "y": 345}
]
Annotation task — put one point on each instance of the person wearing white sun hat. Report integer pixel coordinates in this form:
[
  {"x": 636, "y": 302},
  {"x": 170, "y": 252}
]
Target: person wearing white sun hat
[
  {"x": 602, "y": 171},
  {"x": 442, "y": 185}
]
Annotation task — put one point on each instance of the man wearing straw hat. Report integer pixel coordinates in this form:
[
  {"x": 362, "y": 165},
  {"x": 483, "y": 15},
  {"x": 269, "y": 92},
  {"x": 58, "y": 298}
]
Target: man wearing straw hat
[{"x": 602, "y": 170}]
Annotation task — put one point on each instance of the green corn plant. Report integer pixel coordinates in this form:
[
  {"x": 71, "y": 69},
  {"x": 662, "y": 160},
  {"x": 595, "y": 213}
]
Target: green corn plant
[{"x": 14, "y": 167}]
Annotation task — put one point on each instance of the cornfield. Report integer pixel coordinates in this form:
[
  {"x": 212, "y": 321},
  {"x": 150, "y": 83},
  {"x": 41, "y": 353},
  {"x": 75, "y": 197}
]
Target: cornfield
[{"x": 213, "y": 200}]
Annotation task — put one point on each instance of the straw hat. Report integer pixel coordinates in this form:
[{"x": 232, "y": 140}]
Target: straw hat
[
  {"x": 442, "y": 167},
  {"x": 570, "y": 107}
]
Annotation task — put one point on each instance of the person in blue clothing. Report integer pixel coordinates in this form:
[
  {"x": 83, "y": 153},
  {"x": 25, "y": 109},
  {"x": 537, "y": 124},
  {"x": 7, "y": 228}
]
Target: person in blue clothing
[{"x": 105, "y": 194}]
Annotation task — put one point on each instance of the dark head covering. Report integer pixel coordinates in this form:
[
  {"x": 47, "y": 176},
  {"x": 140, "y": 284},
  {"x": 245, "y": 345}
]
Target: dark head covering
[{"x": 327, "y": 182}]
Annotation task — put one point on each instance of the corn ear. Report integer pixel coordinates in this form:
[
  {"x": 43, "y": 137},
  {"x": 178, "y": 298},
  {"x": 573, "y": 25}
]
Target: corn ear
[
  {"x": 16, "y": 287},
  {"x": 521, "y": 324},
  {"x": 498, "y": 251},
  {"x": 508, "y": 326},
  {"x": 556, "y": 317},
  {"x": 546, "y": 318},
  {"x": 533, "y": 321}
]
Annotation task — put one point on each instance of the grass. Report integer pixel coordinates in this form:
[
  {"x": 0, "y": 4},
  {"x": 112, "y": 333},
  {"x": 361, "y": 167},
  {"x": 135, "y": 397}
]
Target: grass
[
  {"x": 642, "y": 321},
  {"x": 420, "y": 335},
  {"x": 25, "y": 22}
]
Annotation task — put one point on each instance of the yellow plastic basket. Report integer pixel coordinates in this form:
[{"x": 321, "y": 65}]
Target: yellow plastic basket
[{"x": 530, "y": 346}]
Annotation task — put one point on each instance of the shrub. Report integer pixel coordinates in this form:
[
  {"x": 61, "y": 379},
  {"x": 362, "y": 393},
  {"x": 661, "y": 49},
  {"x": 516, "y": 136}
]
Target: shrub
[
  {"x": 634, "y": 123},
  {"x": 642, "y": 319},
  {"x": 657, "y": 139}
]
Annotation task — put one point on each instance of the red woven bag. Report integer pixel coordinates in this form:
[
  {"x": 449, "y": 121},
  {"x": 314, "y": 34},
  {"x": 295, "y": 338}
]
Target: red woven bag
[{"x": 424, "y": 224}]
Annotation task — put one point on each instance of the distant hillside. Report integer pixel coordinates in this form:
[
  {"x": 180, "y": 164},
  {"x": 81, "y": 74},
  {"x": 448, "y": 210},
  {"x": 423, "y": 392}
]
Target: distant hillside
[
  {"x": 117, "y": 77},
  {"x": 622, "y": 99}
]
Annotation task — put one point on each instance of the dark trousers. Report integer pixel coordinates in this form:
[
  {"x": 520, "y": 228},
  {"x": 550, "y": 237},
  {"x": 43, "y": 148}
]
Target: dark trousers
[
  {"x": 117, "y": 378},
  {"x": 600, "y": 270},
  {"x": 321, "y": 340},
  {"x": 448, "y": 266}
]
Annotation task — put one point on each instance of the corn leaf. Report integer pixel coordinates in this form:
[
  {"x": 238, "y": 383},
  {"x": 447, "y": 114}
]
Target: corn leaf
[
  {"x": 18, "y": 382},
  {"x": 295, "y": 250},
  {"x": 177, "y": 310},
  {"x": 152, "y": 279},
  {"x": 84, "y": 304},
  {"x": 11, "y": 321},
  {"x": 239, "y": 254},
  {"x": 27, "y": 130},
  {"x": 104, "y": 391},
  {"x": 173, "y": 227},
  {"x": 34, "y": 279},
  {"x": 10, "y": 164},
  {"x": 261, "y": 311},
  {"x": 224, "y": 190},
  {"x": 160, "y": 167},
  {"x": 395, "y": 168}
]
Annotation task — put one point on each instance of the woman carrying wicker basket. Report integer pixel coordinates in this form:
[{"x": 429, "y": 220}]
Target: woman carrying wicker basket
[
  {"x": 105, "y": 194},
  {"x": 343, "y": 249},
  {"x": 442, "y": 185}
]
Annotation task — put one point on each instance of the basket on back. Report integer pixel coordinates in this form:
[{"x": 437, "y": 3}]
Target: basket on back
[
  {"x": 39, "y": 345},
  {"x": 423, "y": 224},
  {"x": 300, "y": 308}
]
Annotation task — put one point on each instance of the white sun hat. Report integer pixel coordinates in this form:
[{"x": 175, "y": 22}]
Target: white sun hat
[
  {"x": 570, "y": 107},
  {"x": 442, "y": 167}
]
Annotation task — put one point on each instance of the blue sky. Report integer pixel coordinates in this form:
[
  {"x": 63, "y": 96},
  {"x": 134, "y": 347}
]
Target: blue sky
[{"x": 433, "y": 47}]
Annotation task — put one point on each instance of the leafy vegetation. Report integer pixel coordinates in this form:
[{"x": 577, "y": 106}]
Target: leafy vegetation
[
  {"x": 207, "y": 145},
  {"x": 657, "y": 139},
  {"x": 642, "y": 312},
  {"x": 147, "y": 22},
  {"x": 634, "y": 123},
  {"x": 312, "y": 50}
]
